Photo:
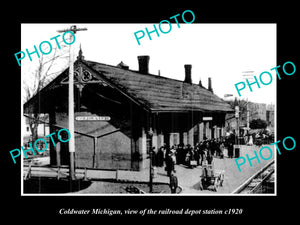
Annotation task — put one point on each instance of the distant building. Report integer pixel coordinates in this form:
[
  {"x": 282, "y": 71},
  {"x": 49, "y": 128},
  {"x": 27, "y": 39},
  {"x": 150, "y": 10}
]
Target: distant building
[
  {"x": 270, "y": 117},
  {"x": 42, "y": 130},
  {"x": 256, "y": 111}
]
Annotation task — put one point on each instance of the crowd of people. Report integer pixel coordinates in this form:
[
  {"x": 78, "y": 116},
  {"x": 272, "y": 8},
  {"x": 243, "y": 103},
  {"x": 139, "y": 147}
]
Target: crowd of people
[{"x": 191, "y": 156}]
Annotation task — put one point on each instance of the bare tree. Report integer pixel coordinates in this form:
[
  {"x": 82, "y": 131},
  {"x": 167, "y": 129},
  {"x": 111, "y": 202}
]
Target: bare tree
[{"x": 47, "y": 69}]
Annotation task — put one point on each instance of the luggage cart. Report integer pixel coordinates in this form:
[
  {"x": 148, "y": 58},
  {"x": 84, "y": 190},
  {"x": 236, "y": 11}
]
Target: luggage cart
[{"x": 211, "y": 178}]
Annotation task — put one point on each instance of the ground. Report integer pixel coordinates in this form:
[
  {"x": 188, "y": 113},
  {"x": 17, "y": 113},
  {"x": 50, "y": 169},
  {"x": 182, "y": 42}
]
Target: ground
[{"x": 188, "y": 179}]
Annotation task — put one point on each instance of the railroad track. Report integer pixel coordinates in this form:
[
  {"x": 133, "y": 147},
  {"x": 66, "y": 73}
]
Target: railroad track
[{"x": 260, "y": 182}]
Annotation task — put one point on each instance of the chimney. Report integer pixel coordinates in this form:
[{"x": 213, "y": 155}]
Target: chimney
[
  {"x": 209, "y": 85},
  {"x": 188, "y": 73},
  {"x": 143, "y": 64},
  {"x": 200, "y": 83},
  {"x": 123, "y": 66}
]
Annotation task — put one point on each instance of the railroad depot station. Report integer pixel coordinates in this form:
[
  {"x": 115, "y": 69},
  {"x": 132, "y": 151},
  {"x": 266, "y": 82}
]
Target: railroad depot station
[{"x": 118, "y": 112}]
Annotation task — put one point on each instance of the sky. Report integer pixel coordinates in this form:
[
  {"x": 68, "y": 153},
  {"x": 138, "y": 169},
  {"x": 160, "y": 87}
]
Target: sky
[{"x": 224, "y": 52}]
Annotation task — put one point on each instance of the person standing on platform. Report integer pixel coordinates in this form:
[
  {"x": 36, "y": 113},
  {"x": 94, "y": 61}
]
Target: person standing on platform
[
  {"x": 173, "y": 153},
  {"x": 197, "y": 154},
  {"x": 230, "y": 149},
  {"x": 179, "y": 154},
  {"x": 213, "y": 146},
  {"x": 201, "y": 152},
  {"x": 160, "y": 157},
  {"x": 153, "y": 159},
  {"x": 230, "y": 142},
  {"x": 209, "y": 157},
  {"x": 169, "y": 162},
  {"x": 222, "y": 147},
  {"x": 250, "y": 142}
]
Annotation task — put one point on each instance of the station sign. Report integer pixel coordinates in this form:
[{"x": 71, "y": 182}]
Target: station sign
[
  {"x": 92, "y": 118},
  {"x": 207, "y": 118}
]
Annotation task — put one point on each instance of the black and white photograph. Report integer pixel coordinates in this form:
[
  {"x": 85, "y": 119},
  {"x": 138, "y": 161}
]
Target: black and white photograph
[{"x": 160, "y": 117}]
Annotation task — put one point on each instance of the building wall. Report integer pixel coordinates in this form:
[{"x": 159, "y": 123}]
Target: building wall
[
  {"x": 189, "y": 128},
  {"x": 113, "y": 151},
  {"x": 43, "y": 129},
  {"x": 257, "y": 111},
  {"x": 118, "y": 149},
  {"x": 270, "y": 116},
  {"x": 127, "y": 144},
  {"x": 124, "y": 146}
]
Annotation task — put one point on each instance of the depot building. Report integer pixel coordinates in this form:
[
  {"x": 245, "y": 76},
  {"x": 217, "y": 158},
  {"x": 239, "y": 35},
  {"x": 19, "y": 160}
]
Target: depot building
[{"x": 120, "y": 112}]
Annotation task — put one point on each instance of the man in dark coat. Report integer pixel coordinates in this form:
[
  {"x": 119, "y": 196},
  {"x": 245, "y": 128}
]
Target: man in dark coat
[
  {"x": 160, "y": 157},
  {"x": 209, "y": 157},
  {"x": 201, "y": 152},
  {"x": 153, "y": 158},
  {"x": 173, "y": 182},
  {"x": 197, "y": 154},
  {"x": 230, "y": 149},
  {"x": 179, "y": 154},
  {"x": 169, "y": 162}
]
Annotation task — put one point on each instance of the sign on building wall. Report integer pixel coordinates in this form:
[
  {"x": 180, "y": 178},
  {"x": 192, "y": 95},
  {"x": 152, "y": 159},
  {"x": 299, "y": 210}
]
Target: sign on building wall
[
  {"x": 92, "y": 118},
  {"x": 207, "y": 118}
]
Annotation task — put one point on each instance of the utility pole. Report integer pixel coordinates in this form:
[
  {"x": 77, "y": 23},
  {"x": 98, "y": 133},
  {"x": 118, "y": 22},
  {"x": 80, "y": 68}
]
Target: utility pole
[
  {"x": 248, "y": 115},
  {"x": 248, "y": 75},
  {"x": 74, "y": 29},
  {"x": 150, "y": 135},
  {"x": 237, "y": 112}
]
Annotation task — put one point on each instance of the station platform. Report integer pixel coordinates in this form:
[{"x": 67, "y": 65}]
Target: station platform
[{"x": 188, "y": 178}]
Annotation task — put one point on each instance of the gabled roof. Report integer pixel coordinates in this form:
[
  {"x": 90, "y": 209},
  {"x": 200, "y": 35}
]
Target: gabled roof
[
  {"x": 156, "y": 93},
  {"x": 161, "y": 94}
]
